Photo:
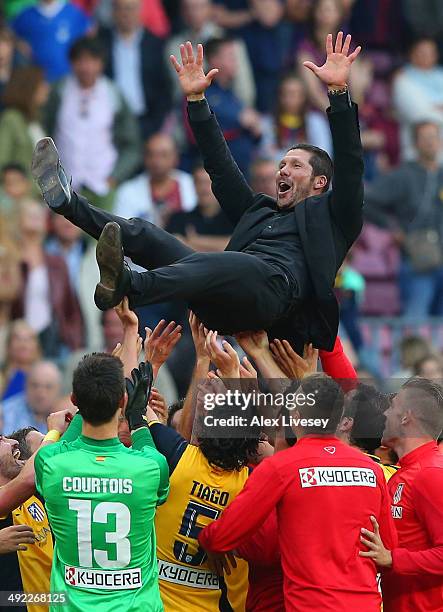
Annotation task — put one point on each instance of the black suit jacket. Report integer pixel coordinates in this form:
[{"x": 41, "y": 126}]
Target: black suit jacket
[
  {"x": 157, "y": 86},
  {"x": 328, "y": 224}
]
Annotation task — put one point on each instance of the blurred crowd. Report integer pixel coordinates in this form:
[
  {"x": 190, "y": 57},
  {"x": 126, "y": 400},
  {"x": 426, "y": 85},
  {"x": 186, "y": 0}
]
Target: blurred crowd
[{"x": 96, "y": 76}]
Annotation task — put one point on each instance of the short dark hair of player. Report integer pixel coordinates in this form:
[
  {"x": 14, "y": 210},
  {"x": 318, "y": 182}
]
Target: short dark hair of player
[
  {"x": 326, "y": 401},
  {"x": 98, "y": 387},
  {"x": 367, "y": 407},
  {"x": 87, "y": 46},
  {"x": 320, "y": 161},
  {"x": 20, "y": 436},
  {"x": 173, "y": 408},
  {"x": 427, "y": 406},
  {"x": 229, "y": 453}
]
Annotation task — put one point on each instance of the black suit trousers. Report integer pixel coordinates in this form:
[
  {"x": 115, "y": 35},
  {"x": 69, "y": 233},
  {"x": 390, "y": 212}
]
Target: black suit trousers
[{"x": 229, "y": 291}]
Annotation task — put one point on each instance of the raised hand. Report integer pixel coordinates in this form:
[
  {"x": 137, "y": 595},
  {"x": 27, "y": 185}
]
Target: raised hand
[
  {"x": 160, "y": 342},
  {"x": 198, "y": 336},
  {"x": 127, "y": 317},
  {"x": 253, "y": 343},
  {"x": 294, "y": 366},
  {"x": 192, "y": 77},
  {"x": 225, "y": 360},
  {"x": 335, "y": 71}
]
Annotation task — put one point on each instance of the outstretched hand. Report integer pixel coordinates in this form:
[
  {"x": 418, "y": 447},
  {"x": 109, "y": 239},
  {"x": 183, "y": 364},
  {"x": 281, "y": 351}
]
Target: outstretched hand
[
  {"x": 335, "y": 71},
  {"x": 192, "y": 77}
]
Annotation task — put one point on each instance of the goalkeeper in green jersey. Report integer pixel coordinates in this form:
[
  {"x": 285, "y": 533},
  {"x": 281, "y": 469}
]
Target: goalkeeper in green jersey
[{"x": 101, "y": 496}]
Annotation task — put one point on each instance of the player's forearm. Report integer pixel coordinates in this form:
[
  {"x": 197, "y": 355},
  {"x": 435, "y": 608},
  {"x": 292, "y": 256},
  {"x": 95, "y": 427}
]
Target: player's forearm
[
  {"x": 336, "y": 363},
  {"x": 415, "y": 563},
  {"x": 256, "y": 501},
  {"x": 129, "y": 354},
  {"x": 188, "y": 415}
]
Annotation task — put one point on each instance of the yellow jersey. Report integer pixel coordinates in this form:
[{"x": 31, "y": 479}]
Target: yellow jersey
[
  {"x": 198, "y": 495},
  {"x": 29, "y": 570}
]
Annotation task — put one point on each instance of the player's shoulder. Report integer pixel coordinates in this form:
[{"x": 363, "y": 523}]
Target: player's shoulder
[
  {"x": 49, "y": 450},
  {"x": 147, "y": 455}
]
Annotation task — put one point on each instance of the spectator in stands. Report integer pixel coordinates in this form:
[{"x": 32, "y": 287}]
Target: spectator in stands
[
  {"x": 263, "y": 176},
  {"x": 206, "y": 228},
  {"x": 200, "y": 26},
  {"x": 267, "y": 47},
  {"x": 22, "y": 351},
  {"x": 67, "y": 241},
  {"x": 6, "y": 60},
  {"x": 424, "y": 17},
  {"x": 135, "y": 60},
  {"x": 326, "y": 17},
  {"x": 430, "y": 367},
  {"x": 23, "y": 98},
  {"x": 159, "y": 191},
  {"x": 233, "y": 14},
  {"x": 43, "y": 389},
  {"x": 10, "y": 282},
  {"x": 293, "y": 122},
  {"x": 413, "y": 349},
  {"x": 241, "y": 125},
  {"x": 418, "y": 90},
  {"x": 50, "y": 28},
  {"x": 379, "y": 132},
  {"x": 46, "y": 301},
  {"x": 88, "y": 103},
  {"x": 409, "y": 201},
  {"x": 15, "y": 187}
]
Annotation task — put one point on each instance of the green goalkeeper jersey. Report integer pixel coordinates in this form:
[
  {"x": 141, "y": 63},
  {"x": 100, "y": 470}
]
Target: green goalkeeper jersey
[{"x": 101, "y": 498}]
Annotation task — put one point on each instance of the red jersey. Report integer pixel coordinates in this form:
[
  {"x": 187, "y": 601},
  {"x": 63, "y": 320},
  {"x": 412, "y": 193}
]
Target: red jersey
[
  {"x": 324, "y": 491},
  {"x": 415, "y": 583},
  {"x": 265, "y": 576}
]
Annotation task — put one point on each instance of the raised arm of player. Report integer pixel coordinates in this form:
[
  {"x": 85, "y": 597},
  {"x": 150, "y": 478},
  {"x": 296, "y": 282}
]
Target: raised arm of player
[
  {"x": 246, "y": 513},
  {"x": 228, "y": 183},
  {"x": 347, "y": 186}
]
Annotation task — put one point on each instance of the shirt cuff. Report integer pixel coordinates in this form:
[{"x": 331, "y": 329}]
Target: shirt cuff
[
  {"x": 340, "y": 102},
  {"x": 199, "y": 110}
]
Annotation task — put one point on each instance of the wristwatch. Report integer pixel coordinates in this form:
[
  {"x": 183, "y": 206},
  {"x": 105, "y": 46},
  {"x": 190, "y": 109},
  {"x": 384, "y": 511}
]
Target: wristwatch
[{"x": 338, "y": 92}]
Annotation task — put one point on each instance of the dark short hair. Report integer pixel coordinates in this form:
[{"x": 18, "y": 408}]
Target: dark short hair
[
  {"x": 98, "y": 386},
  {"x": 87, "y": 46},
  {"x": 229, "y": 453},
  {"x": 213, "y": 45},
  {"x": 14, "y": 167},
  {"x": 328, "y": 403},
  {"x": 428, "y": 409},
  {"x": 20, "y": 436},
  {"x": 173, "y": 408},
  {"x": 320, "y": 161},
  {"x": 367, "y": 408}
]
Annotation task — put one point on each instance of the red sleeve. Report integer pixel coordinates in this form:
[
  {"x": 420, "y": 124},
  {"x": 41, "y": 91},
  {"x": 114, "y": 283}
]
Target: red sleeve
[
  {"x": 337, "y": 365},
  {"x": 262, "y": 548},
  {"x": 247, "y": 512},
  {"x": 428, "y": 504}
]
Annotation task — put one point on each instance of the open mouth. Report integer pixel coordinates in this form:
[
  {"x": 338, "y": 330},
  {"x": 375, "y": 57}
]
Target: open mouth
[{"x": 283, "y": 187}]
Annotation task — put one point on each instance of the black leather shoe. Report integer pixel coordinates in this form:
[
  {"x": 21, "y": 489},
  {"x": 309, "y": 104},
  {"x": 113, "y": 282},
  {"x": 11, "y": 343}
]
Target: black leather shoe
[
  {"x": 115, "y": 276},
  {"x": 49, "y": 174}
]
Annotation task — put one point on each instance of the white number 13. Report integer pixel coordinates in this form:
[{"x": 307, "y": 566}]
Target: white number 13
[{"x": 117, "y": 537}]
